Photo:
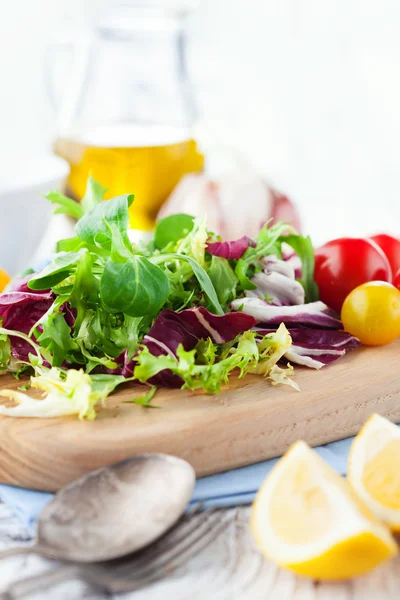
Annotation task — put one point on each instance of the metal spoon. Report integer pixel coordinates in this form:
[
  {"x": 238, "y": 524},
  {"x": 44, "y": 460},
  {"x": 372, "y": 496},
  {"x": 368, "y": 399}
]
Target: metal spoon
[{"x": 114, "y": 511}]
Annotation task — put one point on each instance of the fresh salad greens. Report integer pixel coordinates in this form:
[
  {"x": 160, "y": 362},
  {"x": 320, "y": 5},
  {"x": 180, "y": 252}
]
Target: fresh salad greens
[{"x": 178, "y": 311}]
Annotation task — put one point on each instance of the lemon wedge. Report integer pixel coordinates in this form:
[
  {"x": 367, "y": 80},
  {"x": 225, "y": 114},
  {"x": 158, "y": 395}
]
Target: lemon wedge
[
  {"x": 306, "y": 518},
  {"x": 374, "y": 469}
]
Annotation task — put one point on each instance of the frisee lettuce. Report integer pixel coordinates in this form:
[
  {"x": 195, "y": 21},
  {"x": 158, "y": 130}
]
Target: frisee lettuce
[
  {"x": 73, "y": 392},
  {"x": 250, "y": 354}
]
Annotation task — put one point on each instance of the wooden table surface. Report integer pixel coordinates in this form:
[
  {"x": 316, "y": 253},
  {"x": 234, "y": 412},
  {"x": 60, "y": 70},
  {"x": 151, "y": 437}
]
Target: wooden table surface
[{"x": 230, "y": 568}]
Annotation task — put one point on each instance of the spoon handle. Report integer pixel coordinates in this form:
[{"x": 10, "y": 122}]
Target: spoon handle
[{"x": 24, "y": 587}]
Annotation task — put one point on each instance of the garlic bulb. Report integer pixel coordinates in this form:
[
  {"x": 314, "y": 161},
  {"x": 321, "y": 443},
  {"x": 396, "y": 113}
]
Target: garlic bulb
[{"x": 236, "y": 204}]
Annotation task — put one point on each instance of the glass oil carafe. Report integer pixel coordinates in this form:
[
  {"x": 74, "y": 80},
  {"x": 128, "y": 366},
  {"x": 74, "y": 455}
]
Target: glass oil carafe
[{"x": 126, "y": 110}]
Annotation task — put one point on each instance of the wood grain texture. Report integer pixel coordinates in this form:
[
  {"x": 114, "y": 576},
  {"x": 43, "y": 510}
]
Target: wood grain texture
[
  {"x": 228, "y": 569},
  {"x": 246, "y": 423}
]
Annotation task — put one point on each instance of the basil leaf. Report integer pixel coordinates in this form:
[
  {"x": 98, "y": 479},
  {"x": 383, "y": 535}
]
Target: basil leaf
[
  {"x": 65, "y": 205},
  {"x": 59, "y": 269},
  {"x": 223, "y": 279},
  {"x": 172, "y": 229},
  {"x": 304, "y": 248},
  {"x": 199, "y": 272},
  {"x": 136, "y": 287},
  {"x": 94, "y": 226}
]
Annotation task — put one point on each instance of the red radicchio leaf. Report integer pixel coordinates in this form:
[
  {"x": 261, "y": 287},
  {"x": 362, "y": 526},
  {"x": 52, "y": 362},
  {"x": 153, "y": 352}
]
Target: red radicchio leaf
[
  {"x": 314, "y": 314},
  {"x": 316, "y": 348},
  {"x": 20, "y": 311},
  {"x": 231, "y": 250}
]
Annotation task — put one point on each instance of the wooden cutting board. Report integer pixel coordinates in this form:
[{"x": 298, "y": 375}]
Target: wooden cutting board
[{"x": 249, "y": 422}]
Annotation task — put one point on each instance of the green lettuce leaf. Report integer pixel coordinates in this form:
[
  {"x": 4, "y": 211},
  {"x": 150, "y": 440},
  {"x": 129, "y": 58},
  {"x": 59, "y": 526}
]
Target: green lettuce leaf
[
  {"x": 172, "y": 229},
  {"x": 136, "y": 287},
  {"x": 223, "y": 279},
  {"x": 61, "y": 267},
  {"x": 94, "y": 227}
]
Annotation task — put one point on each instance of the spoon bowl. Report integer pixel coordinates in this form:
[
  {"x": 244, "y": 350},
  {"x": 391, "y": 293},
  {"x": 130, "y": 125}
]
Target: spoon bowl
[{"x": 116, "y": 510}]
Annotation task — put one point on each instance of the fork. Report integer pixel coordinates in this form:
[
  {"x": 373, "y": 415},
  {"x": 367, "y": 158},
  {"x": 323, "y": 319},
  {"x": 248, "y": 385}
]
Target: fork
[{"x": 194, "y": 532}]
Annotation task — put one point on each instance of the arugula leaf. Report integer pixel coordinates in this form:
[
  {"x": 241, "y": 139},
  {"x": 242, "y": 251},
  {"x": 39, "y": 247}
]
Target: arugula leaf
[
  {"x": 94, "y": 194},
  {"x": 94, "y": 226},
  {"x": 136, "y": 287},
  {"x": 304, "y": 248},
  {"x": 200, "y": 274},
  {"x": 268, "y": 241},
  {"x": 223, "y": 278},
  {"x": 65, "y": 205},
  {"x": 62, "y": 265},
  {"x": 172, "y": 229}
]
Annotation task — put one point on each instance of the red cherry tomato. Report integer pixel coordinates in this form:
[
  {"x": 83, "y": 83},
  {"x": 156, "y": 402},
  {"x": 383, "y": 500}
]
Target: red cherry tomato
[
  {"x": 396, "y": 280},
  {"x": 391, "y": 247},
  {"x": 343, "y": 264}
]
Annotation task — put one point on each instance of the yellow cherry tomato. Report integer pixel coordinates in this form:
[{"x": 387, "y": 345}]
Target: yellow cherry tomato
[
  {"x": 4, "y": 279},
  {"x": 371, "y": 312}
]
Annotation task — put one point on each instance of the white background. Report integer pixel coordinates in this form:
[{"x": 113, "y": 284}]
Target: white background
[{"x": 309, "y": 90}]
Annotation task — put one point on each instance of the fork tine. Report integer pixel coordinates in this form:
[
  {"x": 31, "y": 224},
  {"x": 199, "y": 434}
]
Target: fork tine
[
  {"x": 183, "y": 529},
  {"x": 154, "y": 572},
  {"x": 172, "y": 539},
  {"x": 165, "y": 544}
]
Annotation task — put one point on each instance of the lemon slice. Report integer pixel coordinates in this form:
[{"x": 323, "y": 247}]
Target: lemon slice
[
  {"x": 306, "y": 518},
  {"x": 374, "y": 469}
]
